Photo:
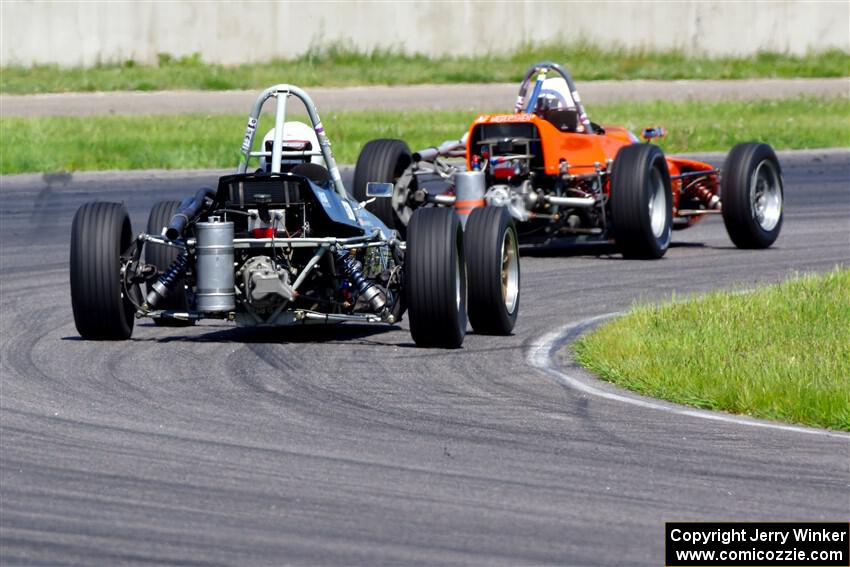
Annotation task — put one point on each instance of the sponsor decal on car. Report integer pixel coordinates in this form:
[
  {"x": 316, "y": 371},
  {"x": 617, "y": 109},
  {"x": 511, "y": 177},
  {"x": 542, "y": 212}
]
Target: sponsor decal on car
[
  {"x": 505, "y": 118},
  {"x": 248, "y": 140},
  {"x": 349, "y": 211}
]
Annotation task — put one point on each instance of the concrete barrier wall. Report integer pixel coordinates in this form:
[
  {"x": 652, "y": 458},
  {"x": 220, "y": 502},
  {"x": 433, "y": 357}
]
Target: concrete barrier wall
[{"x": 85, "y": 33}]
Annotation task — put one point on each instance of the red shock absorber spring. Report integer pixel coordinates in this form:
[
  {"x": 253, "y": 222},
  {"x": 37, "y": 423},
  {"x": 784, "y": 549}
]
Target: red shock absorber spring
[{"x": 698, "y": 190}]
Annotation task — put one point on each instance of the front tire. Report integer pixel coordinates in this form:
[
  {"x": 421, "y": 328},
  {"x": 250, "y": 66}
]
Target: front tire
[
  {"x": 641, "y": 202},
  {"x": 382, "y": 161},
  {"x": 492, "y": 260},
  {"x": 100, "y": 233},
  {"x": 162, "y": 257},
  {"x": 752, "y": 194},
  {"x": 435, "y": 278}
]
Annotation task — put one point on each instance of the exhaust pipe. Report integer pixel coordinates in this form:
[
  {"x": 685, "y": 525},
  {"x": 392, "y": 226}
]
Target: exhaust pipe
[
  {"x": 449, "y": 148},
  {"x": 576, "y": 202},
  {"x": 189, "y": 209}
]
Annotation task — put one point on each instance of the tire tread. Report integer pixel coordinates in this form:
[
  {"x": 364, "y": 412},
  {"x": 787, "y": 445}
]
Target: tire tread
[
  {"x": 382, "y": 160},
  {"x": 99, "y": 232},
  {"x": 734, "y": 192},
  {"x": 432, "y": 253},
  {"x": 483, "y": 238},
  {"x": 631, "y": 230}
]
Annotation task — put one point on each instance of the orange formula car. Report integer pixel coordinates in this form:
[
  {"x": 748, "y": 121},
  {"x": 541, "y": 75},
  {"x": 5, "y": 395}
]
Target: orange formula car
[{"x": 562, "y": 176}]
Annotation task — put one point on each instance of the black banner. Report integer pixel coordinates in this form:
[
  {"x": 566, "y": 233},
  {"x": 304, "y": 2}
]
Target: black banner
[{"x": 752, "y": 544}]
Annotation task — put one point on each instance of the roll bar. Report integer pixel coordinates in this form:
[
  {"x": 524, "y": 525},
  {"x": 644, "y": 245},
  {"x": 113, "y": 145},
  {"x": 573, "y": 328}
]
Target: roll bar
[
  {"x": 544, "y": 67},
  {"x": 281, "y": 93}
]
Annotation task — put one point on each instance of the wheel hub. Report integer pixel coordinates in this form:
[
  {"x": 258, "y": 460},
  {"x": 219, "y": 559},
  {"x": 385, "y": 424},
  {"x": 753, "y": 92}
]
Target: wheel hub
[
  {"x": 510, "y": 271},
  {"x": 766, "y": 196},
  {"x": 657, "y": 206}
]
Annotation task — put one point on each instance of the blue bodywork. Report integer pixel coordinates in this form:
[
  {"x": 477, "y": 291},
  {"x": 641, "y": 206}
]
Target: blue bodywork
[
  {"x": 347, "y": 211},
  {"x": 339, "y": 210}
]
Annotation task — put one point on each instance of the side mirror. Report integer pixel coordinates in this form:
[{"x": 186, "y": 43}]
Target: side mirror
[
  {"x": 379, "y": 190},
  {"x": 654, "y": 132}
]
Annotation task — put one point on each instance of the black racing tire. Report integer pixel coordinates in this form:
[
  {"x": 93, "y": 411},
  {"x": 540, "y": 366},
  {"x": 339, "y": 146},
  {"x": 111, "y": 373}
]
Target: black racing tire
[
  {"x": 752, "y": 195},
  {"x": 493, "y": 274},
  {"x": 382, "y": 161},
  {"x": 641, "y": 225},
  {"x": 435, "y": 278},
  {"x": 316, "y": 173},
  {"x": 162, "y": 257},
  {"x": 100, "y": 233}
]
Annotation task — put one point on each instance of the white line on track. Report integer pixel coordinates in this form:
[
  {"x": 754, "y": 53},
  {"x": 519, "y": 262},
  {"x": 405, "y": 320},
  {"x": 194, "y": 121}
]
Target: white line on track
[{"x": 540, "y": 356}]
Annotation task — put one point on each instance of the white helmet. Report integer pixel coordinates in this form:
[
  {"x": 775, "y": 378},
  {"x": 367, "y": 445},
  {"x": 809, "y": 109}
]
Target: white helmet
[
  {"x": 297, "y": 136},
  {"x": 555, "y": 94}
]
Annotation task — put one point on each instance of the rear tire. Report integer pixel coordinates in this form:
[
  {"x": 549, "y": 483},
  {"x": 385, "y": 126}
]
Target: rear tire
[
  {"x": 162, "y": 257},
  {"x": 382, "y": 161},
  {"x": 492, "y": 260},
  {"x": 752, "y": 195},
  {"x": 641, "y": 202},
  {"x": 314, "y": 172},
  {"x": 435, "y": 278},
  {"x": 100, "y": 233}
]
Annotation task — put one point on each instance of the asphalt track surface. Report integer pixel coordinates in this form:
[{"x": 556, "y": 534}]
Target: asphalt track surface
[
  {"x": 347, "y": 445},
  {"x": 416, "y": 97}
]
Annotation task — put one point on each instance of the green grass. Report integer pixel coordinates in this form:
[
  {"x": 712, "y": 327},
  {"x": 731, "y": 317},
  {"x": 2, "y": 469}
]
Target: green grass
[
  {"x": 779, "y": 352},
  {"x": 337, "y": 65},
  {"x": 198, "y": 141}
]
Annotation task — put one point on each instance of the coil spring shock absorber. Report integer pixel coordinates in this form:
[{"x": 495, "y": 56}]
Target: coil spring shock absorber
[
  {"x": 162, "y": 287},
  {"x": 698, "y": 190},
  {"x": 354, "y": 271}
]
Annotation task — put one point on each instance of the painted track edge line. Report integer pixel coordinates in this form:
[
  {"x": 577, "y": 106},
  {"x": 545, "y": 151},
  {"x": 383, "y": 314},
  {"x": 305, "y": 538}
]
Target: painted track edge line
[{"x": 542, "y": 350}]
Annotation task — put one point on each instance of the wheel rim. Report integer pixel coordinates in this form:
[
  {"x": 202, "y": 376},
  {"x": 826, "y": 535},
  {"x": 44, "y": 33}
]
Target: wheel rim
[
  {"x": 510, "y": 270},
  {"x": 766, "y": 195},
  {"x": 404, "y": 187},
  {"x": 458, "y": 290},
  {"x": 657, "y": 205}
]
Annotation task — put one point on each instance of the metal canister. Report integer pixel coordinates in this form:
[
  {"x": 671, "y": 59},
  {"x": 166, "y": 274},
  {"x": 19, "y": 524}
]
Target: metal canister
[
  {"x": 214, "y": 269},
  {"x": 470, "y": 187}
]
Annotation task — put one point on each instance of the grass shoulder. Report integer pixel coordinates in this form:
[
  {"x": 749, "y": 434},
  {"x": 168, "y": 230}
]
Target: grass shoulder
[
  {"x": 778, "y": 352},
  {"x": 50, "y": 144},
  {"x": 340, "y": 66}
]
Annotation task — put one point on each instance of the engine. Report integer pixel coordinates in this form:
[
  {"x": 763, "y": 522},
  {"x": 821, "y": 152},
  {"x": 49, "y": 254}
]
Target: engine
[
  {"x": 510, "y": 155},
  {"x": 269, "y": 249},
  {"x": 264, "y": 285}
]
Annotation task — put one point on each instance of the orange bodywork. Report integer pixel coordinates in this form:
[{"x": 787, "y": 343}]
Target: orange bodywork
[
  {"x": 579, "y": 150},
  {"x": 583, "y": 152}
]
